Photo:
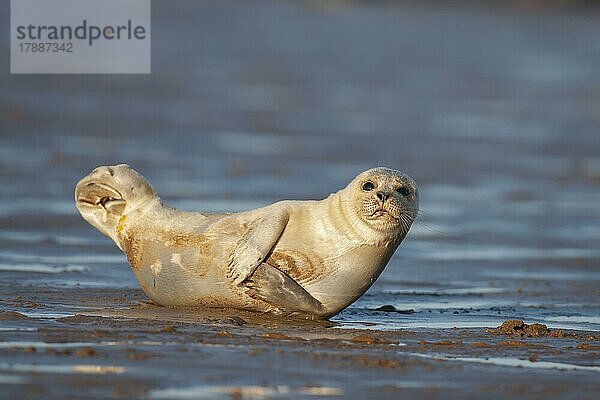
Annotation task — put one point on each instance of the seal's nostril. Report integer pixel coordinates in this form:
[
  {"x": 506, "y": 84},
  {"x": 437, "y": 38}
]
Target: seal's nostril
[{"x": 383, "y": 196}]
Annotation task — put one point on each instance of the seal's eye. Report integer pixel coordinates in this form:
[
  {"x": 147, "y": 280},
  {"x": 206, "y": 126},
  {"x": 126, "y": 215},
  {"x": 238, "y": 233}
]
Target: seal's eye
[
  {"x": 403, "y": 191},
  {"x": 368, "y": 186}
]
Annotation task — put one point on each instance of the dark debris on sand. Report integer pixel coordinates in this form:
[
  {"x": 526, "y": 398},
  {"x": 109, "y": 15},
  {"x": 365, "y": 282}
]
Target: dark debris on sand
[{"x": 516, "y": 327}]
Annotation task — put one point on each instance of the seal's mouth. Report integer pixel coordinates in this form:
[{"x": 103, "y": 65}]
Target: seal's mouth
[
  {"x": 383, "y": 213},
  {"x": 95, "y": 194}
]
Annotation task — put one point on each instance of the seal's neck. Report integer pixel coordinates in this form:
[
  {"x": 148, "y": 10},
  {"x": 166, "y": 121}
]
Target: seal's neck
[{"x": 146, "y": 211}]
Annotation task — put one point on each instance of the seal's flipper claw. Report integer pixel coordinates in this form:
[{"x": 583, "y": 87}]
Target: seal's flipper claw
[{"x": 275, "y": 287}]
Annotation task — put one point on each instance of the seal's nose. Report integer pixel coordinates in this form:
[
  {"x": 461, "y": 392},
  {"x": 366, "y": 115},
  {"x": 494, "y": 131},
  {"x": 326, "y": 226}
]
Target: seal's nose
[{"x": 383, "y": 196}]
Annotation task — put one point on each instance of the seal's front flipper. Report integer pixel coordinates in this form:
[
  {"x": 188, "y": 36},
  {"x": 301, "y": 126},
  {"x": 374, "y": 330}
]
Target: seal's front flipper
[
  {"x": 275, "y": 287},
  {"x": 254, "y": 247}
]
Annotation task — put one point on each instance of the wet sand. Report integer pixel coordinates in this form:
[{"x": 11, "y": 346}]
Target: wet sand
[
  {"x": 492, "y": 110},
  {"x": 117, "y": 345}
]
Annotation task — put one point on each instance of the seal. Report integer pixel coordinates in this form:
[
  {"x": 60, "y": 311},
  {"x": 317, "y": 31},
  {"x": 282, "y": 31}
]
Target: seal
[{"x": 312, "y": 258}]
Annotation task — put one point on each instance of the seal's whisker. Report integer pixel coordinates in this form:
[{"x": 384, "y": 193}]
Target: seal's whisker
[
  {"x": 405, "y": 222},
  {"x": 430, "y": 228}
]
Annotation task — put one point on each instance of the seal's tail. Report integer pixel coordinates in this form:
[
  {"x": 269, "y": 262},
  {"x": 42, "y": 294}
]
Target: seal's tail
[{"x": 109, "y": 192}]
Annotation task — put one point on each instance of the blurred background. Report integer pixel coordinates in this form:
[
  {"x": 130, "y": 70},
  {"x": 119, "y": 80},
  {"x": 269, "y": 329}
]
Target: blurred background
[{"x": 492, "y": 107}]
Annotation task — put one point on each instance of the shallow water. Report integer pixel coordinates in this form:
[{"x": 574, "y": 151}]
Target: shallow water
[{"x": 494, "y": 113}]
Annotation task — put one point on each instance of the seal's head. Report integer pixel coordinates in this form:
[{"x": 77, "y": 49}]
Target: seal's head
[
  {"x": 383, "y": 200},
  {"x": 108, "y": 193}
]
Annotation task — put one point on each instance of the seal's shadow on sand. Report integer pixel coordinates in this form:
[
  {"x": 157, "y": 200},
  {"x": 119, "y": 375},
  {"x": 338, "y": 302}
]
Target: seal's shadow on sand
[{"x": 146, "y": 309}]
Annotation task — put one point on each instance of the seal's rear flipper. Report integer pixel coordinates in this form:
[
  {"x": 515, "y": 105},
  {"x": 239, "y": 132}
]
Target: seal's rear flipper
[
  {"x": 275, "y": 287},
  {"x": 107, "y": 193}
]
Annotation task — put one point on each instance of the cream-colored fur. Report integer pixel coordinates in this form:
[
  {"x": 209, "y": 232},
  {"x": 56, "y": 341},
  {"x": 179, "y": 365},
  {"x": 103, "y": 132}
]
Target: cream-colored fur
[{"x": 333, "y": 248}]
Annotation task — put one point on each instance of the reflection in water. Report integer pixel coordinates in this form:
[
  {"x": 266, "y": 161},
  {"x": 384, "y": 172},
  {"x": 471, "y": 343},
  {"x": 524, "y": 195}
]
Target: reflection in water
[
  {"x": 482, "y": 253},
  {"x": 389, "y": 324},
  {"x": 576, "y": 319},
  {"x": 513, "y": 362},
  {"x": 45, "y": 314},
  {"x": 42, "y": 268},
  {"x": 63, "y": 369},
  {"x": 246, "y": 392},
  {"x": 70, "y": 258},
  {"x": 15, "y": 329},
  {"x": 44, "y": 345},
  {"x": 447, "y": 292}
]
